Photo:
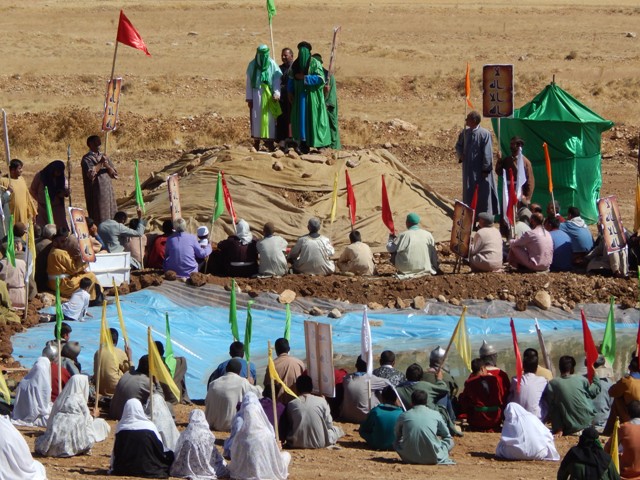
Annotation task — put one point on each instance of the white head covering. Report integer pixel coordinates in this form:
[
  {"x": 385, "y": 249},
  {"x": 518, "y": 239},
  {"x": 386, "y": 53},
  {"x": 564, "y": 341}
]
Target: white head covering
[
  {"x": 243, "y": 232},
  {"x": 196, "y": 455},
  {"x": 33, "y": 396},
  {"x": 134, "y": 418},
  {"x": 249, "y": 398},
  {"x": 15, "y": 458},
  {"x": 524, "y": 437},
  {"x": 254, "y": 452},
  {"x": 163, "y": 420}
]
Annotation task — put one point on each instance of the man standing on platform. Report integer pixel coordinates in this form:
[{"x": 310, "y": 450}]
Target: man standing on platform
[
  {"x": 97, "y": 172},
  {"x": 283, "y": 122}
]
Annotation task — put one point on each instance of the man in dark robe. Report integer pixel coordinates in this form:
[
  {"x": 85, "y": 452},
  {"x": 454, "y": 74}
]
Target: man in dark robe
[
  {"x": 97, "y": 172},
  {"x": 283, "y": 125}
]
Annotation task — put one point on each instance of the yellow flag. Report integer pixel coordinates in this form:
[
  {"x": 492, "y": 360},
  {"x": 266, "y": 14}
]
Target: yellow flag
[
  {"x": 274, "y": 375},
  {"x": 32, "y": 248},
  {"x": 615, "y": 453},
  {"x": 4, "y": 390},
  {"x": 105, "y": 335},
  {"x": 460, "y": 339},
  {"x": 334, "y": 199},
  {"x": 158, "y": 369},
  {"x": 120, "y": 317}
]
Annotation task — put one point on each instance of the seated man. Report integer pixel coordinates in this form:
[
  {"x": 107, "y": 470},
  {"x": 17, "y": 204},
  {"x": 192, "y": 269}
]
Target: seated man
[
  {"x": 357, "y": 258},
  {"x": 387, "y": 369},
  {"x": 48, "y": 232},
  {"x": 576, "y": 228},
  {"x": 97, "y": 243},
  {"x": 115, "y": 233},
  {"x": 133, "y": 384},
  {"x": 137, "y": 246},
  {"x": 76, "y": 308},
  {"x": 179, "y": 378},
  {"x": 111, "y": 367},
  {"x": 523, "y": 222},
  {"x": 359, "y": 393},
  {"x": 14, "y": 278},
  {"x": 436, "y": 369},
  {"x": 378, "y": 429},
  {"x": 570, "y": 399},
  {"x": 155, "y": 258},
  {"x": 272, "y": 252},
  {"x": 236, "y": 350},
  {"x": 413, "y": 252},
  {"x": 532, "y": 386},
  {"x": 553, "y": 211},
  {"x": 562, "y": 250},
  {"x": 486, "y": 249},
  {"x": 309, "y": 418},
  {"x": 224, "y": 394},
  {"x": 623, "y": 392},
  {"x": 489, "y": 356},
  {"x": 483, "y": 399},
  {"x": 534, "y": 250},
  {"x": 629, "y": 443},
  {"x": 69, "y": 357},
  {"x": 435, "y": 391},
  {"x": 289, "y": 368},
  {"x": 183, "y": 251},
  {"x": 237, "y": 255},
  {"x": 421, "y": 435},
  {"x": 311, "y": 255}
]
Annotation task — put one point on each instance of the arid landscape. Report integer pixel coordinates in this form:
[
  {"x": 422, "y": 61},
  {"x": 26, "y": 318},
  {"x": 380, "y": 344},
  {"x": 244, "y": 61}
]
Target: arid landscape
[{"x": 396, "y": 60}]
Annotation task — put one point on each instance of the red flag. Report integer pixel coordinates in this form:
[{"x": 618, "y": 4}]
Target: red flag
[
  {"x": 351, "y": 199},
  {"x": 513, "y": 199},
  {"x": 227, "y": 199},
  {"x": 474, "y": 200},
  {"x": 387, "y": 216},
  {"x": 590, "y": 350},
  {"x": 128, "y": 35},
  {"x": 467, "y": 86},
  {"x": 516, "y": 349},
  {"x": 547, "y": 161}
]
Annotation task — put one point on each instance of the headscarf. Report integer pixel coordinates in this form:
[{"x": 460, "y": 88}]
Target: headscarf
[
  {"x": 196, "y": 455},
  {"x": 133, "y": 418},
  {"x": 53, "y": 184},
  {"x": 524, "y": 437},
  {"x": 301, "y": 64},
  {"x": 33, "y": 396},
  {"x": 590, "y": 454},
  {"x": 15, "y": 458},
  {"x": 163, "y": 420},
  {"x": 261, "y": 64},
  {"x": 249, "y": 398},
  {"x": 243, "y": 232}
]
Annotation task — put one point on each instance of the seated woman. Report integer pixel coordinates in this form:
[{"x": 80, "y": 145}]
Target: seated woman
[
  {"x": 196, "y": 455},
  {"x": 33, "y": 396},
  {"x": 163, "y": 420},
  {"x": 255, "y": 452},
  {"x": 15, "y": 457},
  {"x": 65, "y": 263},
  {"x": 138, "y": 449},
  {"x": 238, "y": 254},
  {"x": 71, "y": 430}
]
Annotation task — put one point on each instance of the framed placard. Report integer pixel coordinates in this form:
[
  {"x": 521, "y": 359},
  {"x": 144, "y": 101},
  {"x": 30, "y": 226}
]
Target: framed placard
[
  {"x": 461, "y": 229},
  {"x": 497, "y": 91},
  {"x": 111, "y": 102},
  {"x": 319, "y": 345},
  {"x": 612, "y": 230},
  {"x": 81, "y": 230},
  {"x": 174, "y": 196}
]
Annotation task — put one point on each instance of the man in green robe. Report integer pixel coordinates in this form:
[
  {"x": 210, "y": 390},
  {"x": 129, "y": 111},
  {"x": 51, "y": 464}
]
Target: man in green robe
[
  {"x": 309, "y": 118},
  {"x": 331, "y": 100},
  {"x": 570, "y": 399}
]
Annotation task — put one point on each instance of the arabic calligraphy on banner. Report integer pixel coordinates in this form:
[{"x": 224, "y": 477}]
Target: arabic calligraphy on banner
[
  {"x": 461, "y": 229},
  {"x": 497, "y": 91},
  {"x": 611, "y": 222}
]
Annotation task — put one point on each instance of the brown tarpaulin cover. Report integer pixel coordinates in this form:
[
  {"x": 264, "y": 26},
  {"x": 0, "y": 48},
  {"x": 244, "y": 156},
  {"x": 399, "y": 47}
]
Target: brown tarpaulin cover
[{"x": 261, "y": 194}]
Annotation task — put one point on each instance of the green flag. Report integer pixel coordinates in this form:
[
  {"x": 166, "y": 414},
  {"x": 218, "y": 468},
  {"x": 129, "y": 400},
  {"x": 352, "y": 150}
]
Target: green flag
[
  {"x": 169, "y": 359},
  {"x": 233, "y": 314},
  {"x": 139, "y": 198},
  {"x": 247, "y": 332},
  {"x": 11, "y": 246},
  {"x": 218, "y": 208},
  {"x": 59, "y": 314},
  {"x": 287, "y": 322},
  {"x": 271, "y": 9},
  {"x": 609, "y": 340},
  {"x": 47, "y": 202}
]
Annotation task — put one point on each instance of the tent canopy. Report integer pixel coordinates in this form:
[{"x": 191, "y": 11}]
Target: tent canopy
[{"x": 573, "y": 134}]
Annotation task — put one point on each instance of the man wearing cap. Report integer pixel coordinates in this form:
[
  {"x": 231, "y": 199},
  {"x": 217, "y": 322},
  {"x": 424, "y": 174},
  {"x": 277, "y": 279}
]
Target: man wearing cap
[
  {"x": 534, "y": 250},
  {"x": 475, "y": 151},
  {"x": 272, "y": 253},
  {"x": 311, "y": 255},
  {"x": 510, "y": 165},
  {"x": 413, "y": 252},
  {"x": 262, "y": 95},
  {"x": 486, "y": 249}
]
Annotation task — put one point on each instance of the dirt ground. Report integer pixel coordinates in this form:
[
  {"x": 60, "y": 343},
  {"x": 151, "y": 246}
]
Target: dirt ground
[{"x": 396, "y": 59}]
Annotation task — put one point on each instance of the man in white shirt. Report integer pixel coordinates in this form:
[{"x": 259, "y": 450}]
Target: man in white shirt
[
  {"x": 312, "y": 253},
  {"x": 531, "y": 386},
  {"x": 357, "y": 258},
  {"x": 272, "y": 248},
  {"x": 76, "y": 309}
]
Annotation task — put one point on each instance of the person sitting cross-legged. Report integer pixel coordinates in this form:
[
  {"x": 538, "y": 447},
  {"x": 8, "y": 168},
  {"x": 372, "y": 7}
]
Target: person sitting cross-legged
[{"x": 378, "y": 429}]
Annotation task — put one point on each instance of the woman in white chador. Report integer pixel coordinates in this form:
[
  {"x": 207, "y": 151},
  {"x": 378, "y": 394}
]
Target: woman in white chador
[
  {"x": 16, "y": 461},
  {"x": 196, "y": 455},
  {"x": 163, "y": 420},
  {"x": 71, "y": 430},
  {"x": 238, "y": 420},
  {"x": 33, "y": 396},
  {"x": 524, "y": 437},
  {"x": 255, "y": 455}
]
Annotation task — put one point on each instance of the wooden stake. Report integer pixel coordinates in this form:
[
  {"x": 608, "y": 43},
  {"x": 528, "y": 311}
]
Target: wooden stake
[
  {"x": 7, "y": 149},
  {"x": 113, "y": 69}
]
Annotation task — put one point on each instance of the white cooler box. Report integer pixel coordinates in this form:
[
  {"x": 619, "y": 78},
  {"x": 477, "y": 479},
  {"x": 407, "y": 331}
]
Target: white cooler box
[{"x": 110, "y": 266}]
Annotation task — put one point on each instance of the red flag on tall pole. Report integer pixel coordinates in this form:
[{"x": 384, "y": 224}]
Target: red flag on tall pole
[
  {"x": 387, "y": 216},
  {"x": 227, "y": 199},
  {"x": 351, "y": 199},
  {"x": 128, "y": 35},
  {"x": 474, "y": 199},
  {"x": 467, "y": 86},
  {"x": 516, "y": 349},
  {"x": 513, "y": 199},
  {"x": 590, "y": 350}
]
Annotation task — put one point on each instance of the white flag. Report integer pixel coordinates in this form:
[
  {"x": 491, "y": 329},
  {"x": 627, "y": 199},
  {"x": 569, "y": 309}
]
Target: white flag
[
  {"x": 366, "y": 348},
  {"x": 505, "y": 195},
  {"x": 522, "y": 175}
]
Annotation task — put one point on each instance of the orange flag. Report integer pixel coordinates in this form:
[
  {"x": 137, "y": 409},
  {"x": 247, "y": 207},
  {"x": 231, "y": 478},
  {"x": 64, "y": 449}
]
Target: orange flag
[
  {"x": 128, "y": 35},
  {"x": 467, "y": 86},
  {"x": 547, "y": 160}
]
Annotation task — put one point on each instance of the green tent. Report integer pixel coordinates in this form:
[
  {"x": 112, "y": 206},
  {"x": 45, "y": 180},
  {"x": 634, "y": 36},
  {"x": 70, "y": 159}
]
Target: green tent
[{"x": 573, "y": 133}]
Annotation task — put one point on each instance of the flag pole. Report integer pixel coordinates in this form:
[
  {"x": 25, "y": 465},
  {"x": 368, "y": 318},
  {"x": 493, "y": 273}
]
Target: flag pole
[
  {"x": 150, "y": 377},
  {"x": 453, "y": 335},
  {"x": 7, "y": 149},
  {"x": 273, "y": 55},
  {"x": 113, "y": 69},
  {"x": 59, "y": 365},
  {"x": 273, "y": 398},
  {"x": 96, "y": 409}
]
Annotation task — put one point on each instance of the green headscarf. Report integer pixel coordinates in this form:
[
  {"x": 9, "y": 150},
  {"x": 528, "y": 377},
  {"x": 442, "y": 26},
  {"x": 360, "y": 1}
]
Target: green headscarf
[{"x": 261, "y": 62}]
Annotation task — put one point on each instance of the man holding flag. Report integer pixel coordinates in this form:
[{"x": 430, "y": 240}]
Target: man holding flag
[{"x": 521, "y": 169}]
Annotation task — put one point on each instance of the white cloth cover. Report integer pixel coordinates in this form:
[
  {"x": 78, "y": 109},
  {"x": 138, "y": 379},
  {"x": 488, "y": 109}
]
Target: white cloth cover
[
  {"x": 134, "y": 418},
  {"x": 16, "y": 462},
  {"x": 524, "y": 437},
  {"x": 254, "y": 452},
  {"x": 163, "y": 420},
  {"x": 33, "y": 396},
  {"x": 243, "y": 232},
  {"x": 249, "y": 398},
  {"x": 196, "y": 455},
  {"x": 71, "y": 430}
]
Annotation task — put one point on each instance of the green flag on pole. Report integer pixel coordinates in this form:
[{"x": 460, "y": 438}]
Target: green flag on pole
[
  {"x": 609, "y": 340},
  {"x": 59, "y": 314},
  {"x": 233, "y": 314},
  {"x": 247, "y": 332},
  {"x": 218, "y": 208},
  {"x": 169, "y": 359},
  {"x": 11, "y": 245},
  {"x": 287, "y": 322},
  {"x": 47, "y": 202},
  {"x": 139, "y": 197},
  {"x": 271, "y": 9}
]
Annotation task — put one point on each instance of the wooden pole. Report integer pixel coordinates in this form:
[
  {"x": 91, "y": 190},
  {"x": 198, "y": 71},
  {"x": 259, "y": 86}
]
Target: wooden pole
[
  {"x": 59, "y": 366},
  {"x": 113, "y": 69},
  {"x": 69, "y": 173},
  {"x": 96, "y": 408},
  {"x": 273, "y": 400},
  {"x": 7, "y": 149},
  {"x": 273, "y": 55},
  {"x": 453, "y": 335},
  {"x": 150, "y": 376}
]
